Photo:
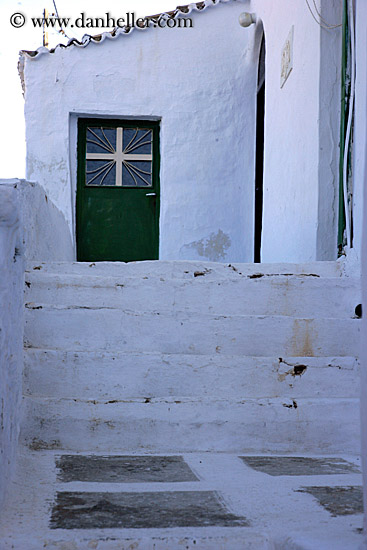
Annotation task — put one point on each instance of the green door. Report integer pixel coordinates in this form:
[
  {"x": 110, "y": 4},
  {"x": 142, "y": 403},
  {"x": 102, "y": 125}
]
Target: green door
[{"x": 117, "y": 204}]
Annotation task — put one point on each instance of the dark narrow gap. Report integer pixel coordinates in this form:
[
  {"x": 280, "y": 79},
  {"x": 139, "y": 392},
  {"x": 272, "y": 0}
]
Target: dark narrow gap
[{"x": 259, "y": 164}]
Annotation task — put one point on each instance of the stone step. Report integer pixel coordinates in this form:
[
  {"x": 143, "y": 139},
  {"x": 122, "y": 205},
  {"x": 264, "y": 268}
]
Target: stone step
[
  {"x": 279, "y": 425},
  {"x": 119, "y": 376},
  {"x": 187, "y": 269},
  {"x": 87, "y": 329},
  {"x": 293, "y": 295}
]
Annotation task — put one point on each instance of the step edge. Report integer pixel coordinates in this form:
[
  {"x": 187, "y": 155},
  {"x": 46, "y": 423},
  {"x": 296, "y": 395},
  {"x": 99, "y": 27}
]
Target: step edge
[
  {"x": 269, "y": 358},
  {"x": 37, "y": 306},
  {"x": 185, "y": 400}
]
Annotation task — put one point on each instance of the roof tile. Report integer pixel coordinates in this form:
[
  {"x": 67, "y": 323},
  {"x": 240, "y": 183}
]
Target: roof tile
[{"x": 119, "y": 31}]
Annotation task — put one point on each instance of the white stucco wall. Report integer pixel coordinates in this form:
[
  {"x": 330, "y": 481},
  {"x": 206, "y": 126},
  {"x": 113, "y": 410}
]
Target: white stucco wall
[
  {"x": 301, "y": 133},
  {"x": 329, "y": 131},
  {"x": 360, "y": 123},
  {"x": 360, "y": 213},
  {"x": 201, "y": 83},
  {"x": 11, "y": 330},
  {"x": 31, "y": 228},
  {"x": 45, "y": 230}
]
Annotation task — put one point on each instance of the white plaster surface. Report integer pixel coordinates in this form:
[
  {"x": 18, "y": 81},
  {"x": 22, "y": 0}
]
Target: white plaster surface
[
  {"x": 360, "y": 125},
  {"x": 201, "y": 83},
  {"x": 122, "y": 376},
  {"x": 230, "y": 292},
  {"x": 43, "y": 229},
  {"x": 360, "y": 215},
  {"x": 360, "y": 206},
  {"x": 31, "y": 228},
  {"x": 279, "y": 425},
  {"x": 301, "y": 133},
  {"x": 100, "y": 328},
  {"x": 45, "y": 232},
  {"x": 329, "y": 130},
  {"x": 11, "y": 331},
  {"x": 187, "y": 269}
]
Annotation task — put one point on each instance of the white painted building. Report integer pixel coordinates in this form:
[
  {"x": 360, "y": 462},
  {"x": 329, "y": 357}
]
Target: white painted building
[
  {"x": 201, "y": 351},
  {"x": 200, "y": 85}
]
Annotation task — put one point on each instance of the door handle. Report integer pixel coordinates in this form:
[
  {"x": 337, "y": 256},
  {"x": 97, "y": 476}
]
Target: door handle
[{"x": 151, "y": 194}]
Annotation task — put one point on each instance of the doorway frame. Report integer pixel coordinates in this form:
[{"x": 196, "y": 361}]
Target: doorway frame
[{"x": 259, "y": 151}]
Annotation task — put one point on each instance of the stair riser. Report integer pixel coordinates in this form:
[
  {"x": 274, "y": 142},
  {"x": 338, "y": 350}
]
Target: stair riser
[
  {"x": 299, "y": 297},
  {"x": 104, "y": 329},
  {"x": 114, "y": 376},
  {"x": 315, "y": 426},
  {"x": 184, "y": 269}
]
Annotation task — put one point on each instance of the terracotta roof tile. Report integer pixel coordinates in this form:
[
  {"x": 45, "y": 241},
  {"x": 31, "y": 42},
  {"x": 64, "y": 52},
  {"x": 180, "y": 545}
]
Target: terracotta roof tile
[{"x": 119, "y": 31}]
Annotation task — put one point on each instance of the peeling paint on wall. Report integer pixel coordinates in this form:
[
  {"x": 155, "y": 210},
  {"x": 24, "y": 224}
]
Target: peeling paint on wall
[{"x": 212, "y": 248}]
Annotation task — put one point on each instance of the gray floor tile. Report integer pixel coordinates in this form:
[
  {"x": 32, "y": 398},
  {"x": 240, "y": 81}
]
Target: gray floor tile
[
  {"x": 77, "y": 510},
  {"x": 123, "y": 469},
  {"x": 339, "y": 501},
  {"x": 299, "y": 466}
]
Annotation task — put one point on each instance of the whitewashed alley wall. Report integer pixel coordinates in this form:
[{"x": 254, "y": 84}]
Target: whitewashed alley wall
[
  {"x": 360, "y": 209},
  {"x": 301, "y": 133},
  {"x": 11, "y": 330},
  {"x": 31, "y": 228},
  {"x": 360, "y": 122},
  {"x": 45, "y": 230}
]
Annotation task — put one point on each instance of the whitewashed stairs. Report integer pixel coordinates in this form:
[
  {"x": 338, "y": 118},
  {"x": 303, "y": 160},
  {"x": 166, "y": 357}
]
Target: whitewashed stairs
[{"x": 191, "y": 357}]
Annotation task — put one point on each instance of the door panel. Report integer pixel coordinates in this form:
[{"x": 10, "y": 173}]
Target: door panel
[{"x": 118, "y": 190}]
